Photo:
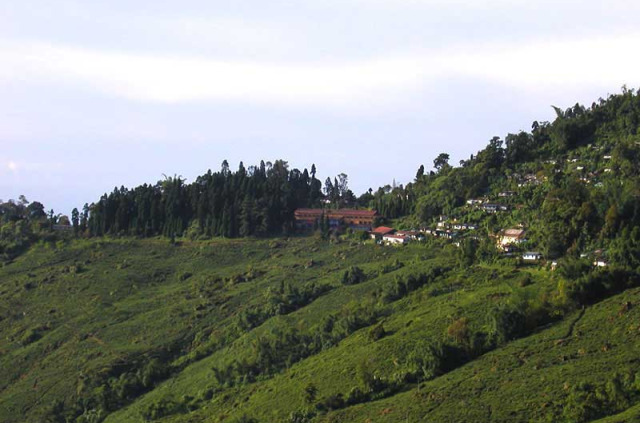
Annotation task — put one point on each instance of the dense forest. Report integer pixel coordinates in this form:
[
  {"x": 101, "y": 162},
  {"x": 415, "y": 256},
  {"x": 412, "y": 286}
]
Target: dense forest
[{"x": 259, "y": 200}]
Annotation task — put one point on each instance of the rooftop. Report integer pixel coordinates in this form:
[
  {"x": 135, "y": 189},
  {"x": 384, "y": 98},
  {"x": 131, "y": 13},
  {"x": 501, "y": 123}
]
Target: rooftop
[
  {"x": 350, "y": 212},
  {"x": 382, "y": 230},
  {"x": 516, "y": 233}
]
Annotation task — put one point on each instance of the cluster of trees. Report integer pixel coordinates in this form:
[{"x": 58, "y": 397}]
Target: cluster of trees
[
  {"x": 258, "y": 200},
  {"x": 591, "y": 401},
  {"x": 338, "y": 192},
  {"x": 21, "y": 223}
]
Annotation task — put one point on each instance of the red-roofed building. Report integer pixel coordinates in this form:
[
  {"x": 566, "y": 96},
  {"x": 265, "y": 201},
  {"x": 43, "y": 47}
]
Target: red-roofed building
[
  {"x": 356, "y": 219},
  {"x": 381, "y": 231}
]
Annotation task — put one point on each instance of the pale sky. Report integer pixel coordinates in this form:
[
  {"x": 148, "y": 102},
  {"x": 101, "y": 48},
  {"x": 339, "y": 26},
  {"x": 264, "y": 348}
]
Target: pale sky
[{"x": 94, "y": 96}]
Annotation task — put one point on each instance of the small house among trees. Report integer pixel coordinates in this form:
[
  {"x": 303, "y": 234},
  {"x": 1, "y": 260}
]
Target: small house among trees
[
  {"x": 511, "y": 237},
  {"x": 532, "y": 256}
]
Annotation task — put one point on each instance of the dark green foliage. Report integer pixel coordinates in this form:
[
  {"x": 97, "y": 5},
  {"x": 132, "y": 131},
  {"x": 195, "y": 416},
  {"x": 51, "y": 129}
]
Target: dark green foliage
[
  {"x": 352, "y": 276},
  {"x": 600, "y": 284},
  {"x": 400, "y": 287},
  {"x": 428, "y": 360},
  {"x": 310, "y": 392},
  {"x": 162, "y": 408},
  {"x": 246, "y": 419},
  {"x": 505, "y": 324},
  {"x": 30, "y": 336},
  {"x": 377, "y": 332},
  {"x": 332, "y": 402},
  {"x": 301, "y": 416},
  {"x": 586, "y": 402},
  {"x": 390, "y": 267},
  {"x": 20, "y": 226}
]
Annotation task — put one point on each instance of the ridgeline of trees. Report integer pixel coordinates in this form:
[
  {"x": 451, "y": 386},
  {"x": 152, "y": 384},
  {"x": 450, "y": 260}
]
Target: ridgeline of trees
[{"x": 258, "y": 200}]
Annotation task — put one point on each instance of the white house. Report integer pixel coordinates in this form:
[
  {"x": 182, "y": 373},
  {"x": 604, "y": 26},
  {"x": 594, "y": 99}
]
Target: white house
[
  {"x": 600, "y": 263},
  {"x": 492, "y": 208},
  {"x": 395, "y": 239},
  {"x": 532, "y": 256}
]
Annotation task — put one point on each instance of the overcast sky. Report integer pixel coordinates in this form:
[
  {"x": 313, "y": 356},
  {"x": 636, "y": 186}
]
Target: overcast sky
[{"x": 119, "y": 93}]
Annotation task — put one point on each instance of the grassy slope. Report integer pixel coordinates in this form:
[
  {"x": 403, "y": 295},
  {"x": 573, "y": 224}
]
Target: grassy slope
[
  {"x": 95, "y": 304},
  {"x": 127, "y": 299},
  {"x": 527, "y": 380},
  {"x": 423, "y": 315}
]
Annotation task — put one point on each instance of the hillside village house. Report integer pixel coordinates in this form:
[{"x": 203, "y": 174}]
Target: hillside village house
[
  {"x": 413, "y": 235},
  {"x": 493, "y": 207},
  {"x": 532, "y": 256},
  {"x": 306, "y": 219},
  {"x": 529, "y": 179},
  {"x": 464, "y": 226},
  {"x": 395, "y": 239},
  {"x": 511, "y": 237},
  {"x": 447, "y": 234},
  {"x": 381, "y": 231},
  {"x": 442, "y": 221}
]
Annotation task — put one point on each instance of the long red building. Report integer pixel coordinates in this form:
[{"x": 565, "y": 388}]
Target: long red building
[{"x": 356, "y": 219}]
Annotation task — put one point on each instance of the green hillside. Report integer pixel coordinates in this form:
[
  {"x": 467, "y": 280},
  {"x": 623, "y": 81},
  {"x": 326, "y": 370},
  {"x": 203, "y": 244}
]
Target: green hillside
[
  {"x": 137, "y": 330},
  {"x": 109, "y": 320}
]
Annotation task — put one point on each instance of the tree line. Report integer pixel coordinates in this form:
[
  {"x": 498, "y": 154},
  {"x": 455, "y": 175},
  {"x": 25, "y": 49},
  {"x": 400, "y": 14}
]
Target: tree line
[{"x": 258, "y": 200}]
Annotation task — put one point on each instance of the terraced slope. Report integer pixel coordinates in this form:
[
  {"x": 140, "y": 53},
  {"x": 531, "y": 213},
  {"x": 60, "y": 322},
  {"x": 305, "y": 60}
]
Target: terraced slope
[
  {"x": 573, "y": 371},
  {"x": 298, "y": 330}
]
